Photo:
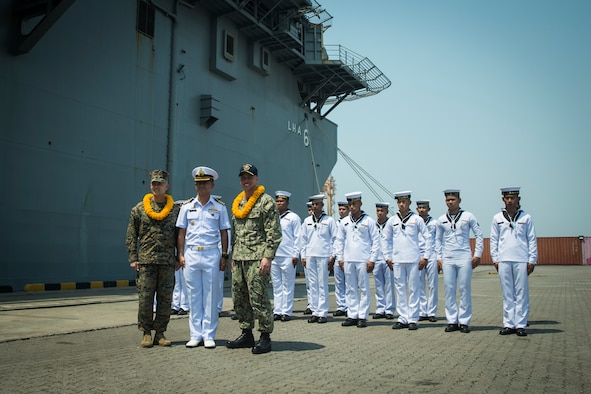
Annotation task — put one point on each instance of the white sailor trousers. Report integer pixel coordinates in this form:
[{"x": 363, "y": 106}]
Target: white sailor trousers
[
  {"x": 429, "y": 301},
  {"x": 283, "y": 279},
  {"x": 340, "y": 288},
  {"x": 384, "y": 288},
  {"x": 180, "y": 299},
  {"x": 202, "y": 270},
  {"x": 515, "y": 290},
  {"x": 406, "y": 283},
  {"x": 457, "y": 274},
  {"x": 317, "y": 269},
  {"x": 357, "y": 279}
]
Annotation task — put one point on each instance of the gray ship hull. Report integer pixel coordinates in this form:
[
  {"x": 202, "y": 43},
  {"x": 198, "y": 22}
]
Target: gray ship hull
[{"x": 95, "y": 104}]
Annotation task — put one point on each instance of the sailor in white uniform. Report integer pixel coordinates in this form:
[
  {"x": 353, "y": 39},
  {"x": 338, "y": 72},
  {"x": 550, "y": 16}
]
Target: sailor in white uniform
[
  {"x": 283, "y": 267},
  {"x": 339, "y": 274},
  {"x": 222, "y": 274},
  {"x": 383, "y": 275},
  {"x": 203, "y": 222},
  {"x": 318, "y": 235},
  {"x": 514, "y": 251},
  {"x": 308, "y": 311},
  {"x": 356, "y": 248},
  {"x": 428, "y": 309},
  {"x": 408, "y": 243},
  {"x": 455, "y": 258}
]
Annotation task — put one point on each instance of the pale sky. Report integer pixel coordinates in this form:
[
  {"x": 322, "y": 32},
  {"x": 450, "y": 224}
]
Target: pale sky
[{"x": 485, "y": 94}]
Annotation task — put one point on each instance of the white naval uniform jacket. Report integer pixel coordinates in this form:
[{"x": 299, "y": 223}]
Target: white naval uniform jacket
[
  {"x": 513, "y": 241},
  {"x": 291, "y": 229},
  {"x": 407, "y": 242},
  {"x": 318, "y": 237},
  {"x": 454, "y": 244},
  {"x": 357, "y": 242}
]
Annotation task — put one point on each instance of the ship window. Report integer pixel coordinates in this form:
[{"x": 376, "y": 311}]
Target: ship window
[
  {"x": 146, "y": 14},
  {"x": 229, "y": 46},
  {"x": 265, "y": 59}
]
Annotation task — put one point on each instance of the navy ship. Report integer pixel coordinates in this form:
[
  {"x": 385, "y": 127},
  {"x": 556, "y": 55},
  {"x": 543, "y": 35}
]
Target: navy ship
[{"x": 95, "y": 94}]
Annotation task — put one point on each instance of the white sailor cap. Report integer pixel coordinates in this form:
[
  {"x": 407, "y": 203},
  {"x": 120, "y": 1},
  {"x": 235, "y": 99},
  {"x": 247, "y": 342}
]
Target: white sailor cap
[
  {"x": 354, "y": 196},
  {"x": 451, "y": 192},
  {"x": 342, "y": 203},
  {"x": 317, "y": 198},
  {"x": 510, "y": 191},
  {"x": 401, "y": 195},
  {"x": 382, "y": 204},
  {"x": 203, "y": 173},
  {"x": 423, "y": 203},
  {"x": 309, "y": 204},
  {"x": 282, "y": 193}
]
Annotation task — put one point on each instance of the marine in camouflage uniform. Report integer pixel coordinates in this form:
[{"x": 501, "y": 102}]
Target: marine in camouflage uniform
[
  {"x": 151, "y": 244},
  {"x": 256, "y": 237}
]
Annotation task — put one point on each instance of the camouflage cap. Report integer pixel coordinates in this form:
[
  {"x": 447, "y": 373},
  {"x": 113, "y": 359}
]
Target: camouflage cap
[{"x": 159, "y": 176}]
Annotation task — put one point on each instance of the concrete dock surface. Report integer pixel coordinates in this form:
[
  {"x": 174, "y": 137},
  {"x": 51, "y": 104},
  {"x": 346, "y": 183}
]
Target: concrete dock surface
[{"x": 87, "y": 341}]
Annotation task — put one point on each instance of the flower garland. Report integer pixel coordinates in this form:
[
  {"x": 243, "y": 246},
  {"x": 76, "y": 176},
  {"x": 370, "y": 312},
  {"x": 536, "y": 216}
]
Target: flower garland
[
  {"x": 163, "y": 213},
  {"x": 242, "y": 213}
]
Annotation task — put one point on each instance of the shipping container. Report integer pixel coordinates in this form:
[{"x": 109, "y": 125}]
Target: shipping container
[{"x": 553, "y": 250}]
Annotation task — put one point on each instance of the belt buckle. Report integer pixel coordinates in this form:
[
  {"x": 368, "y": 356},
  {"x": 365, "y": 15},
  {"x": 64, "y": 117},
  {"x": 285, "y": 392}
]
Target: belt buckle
[{"x": 200, "y": 248}]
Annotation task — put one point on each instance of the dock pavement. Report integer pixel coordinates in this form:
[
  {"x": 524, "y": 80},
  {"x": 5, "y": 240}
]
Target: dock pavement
[{"x": 87, "y": 341}]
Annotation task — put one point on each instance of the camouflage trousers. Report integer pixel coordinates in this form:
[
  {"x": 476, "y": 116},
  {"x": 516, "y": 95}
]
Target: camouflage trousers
[
  {"x": 250, "y": 293},
  {"x": 154, "y": 279}
]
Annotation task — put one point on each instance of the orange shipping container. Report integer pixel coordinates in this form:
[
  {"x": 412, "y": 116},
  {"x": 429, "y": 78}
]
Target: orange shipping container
[{"x": 551, "y": 251}]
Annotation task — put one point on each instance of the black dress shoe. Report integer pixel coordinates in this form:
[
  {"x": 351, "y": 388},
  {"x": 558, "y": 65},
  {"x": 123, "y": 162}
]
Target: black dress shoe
[
  {"x": 263, "y": 345},
  {"x": 452, "y": 328},
  {"x": 349, "y": 322},
  {"x": 389, "y": 316},
  {"x": 339, "y": 313},
  {"x": 423, "y": 318},
  {"x": 464, "y": 328},
  {"x": 413, "y": 326},
  {"x": 285, "y": 318},
  {"x": 308, "y": 311},
  {"x": 361, "y": 323},
  {"x": 379, "y": 315},
  {"x": 313, "y": 319},
  {"x": 432, "y": 319},
  {"x": 398, "y": 326},
  {"x": 276, "y": 317},
  {"x": 521, "y": 332},
  {"x": 174, "y": 312},
  {"x": 182, "y": 312},
  {"x": 322, "y": 320},
  {"x": 507, "y": 331},
  {"x": 246, "y": 339}
]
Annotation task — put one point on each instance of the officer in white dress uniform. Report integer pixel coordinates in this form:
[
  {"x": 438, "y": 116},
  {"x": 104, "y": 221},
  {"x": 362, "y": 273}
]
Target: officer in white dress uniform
[
  {"x": 514, "y": 251},
  {"x": 428, "y": 309},
  {"x": 339, "y": 274},
  {"x": 408, "y": 243},
  {"x": 203, "y": 222},
  {"x": 283, "y": 267},
  {"x": 318, "y": 235},
  {"x": 382, "y": 274},
  {"x": 455, "y": 258},
  {"x": 356, "y": 248}
]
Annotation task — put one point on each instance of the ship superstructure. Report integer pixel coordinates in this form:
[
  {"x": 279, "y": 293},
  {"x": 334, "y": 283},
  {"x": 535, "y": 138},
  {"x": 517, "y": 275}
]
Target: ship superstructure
[{"x": 94, "y": 95}]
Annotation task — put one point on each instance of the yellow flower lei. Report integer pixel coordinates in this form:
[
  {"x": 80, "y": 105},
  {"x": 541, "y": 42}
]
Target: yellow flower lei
[
  {"x": 163, "y": 213},
  {"x": 242, "y": 213}
]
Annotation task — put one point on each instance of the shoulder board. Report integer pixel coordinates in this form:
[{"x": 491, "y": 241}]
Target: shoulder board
[
  {"x": 220, "y": 201},
  {"x": 189, "y": 200}
]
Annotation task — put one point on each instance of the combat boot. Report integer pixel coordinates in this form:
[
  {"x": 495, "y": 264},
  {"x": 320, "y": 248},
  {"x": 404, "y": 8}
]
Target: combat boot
[
  {"x": 263, "y": 345},
  {"x": 246, "y": 339},
  {"x": 160, "y": 340},
  {"x": 147, "y": 339}
]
